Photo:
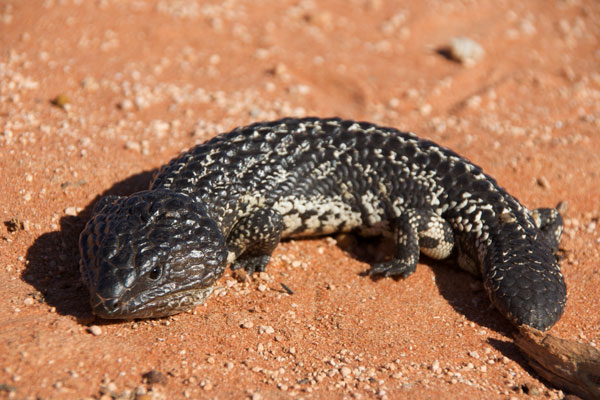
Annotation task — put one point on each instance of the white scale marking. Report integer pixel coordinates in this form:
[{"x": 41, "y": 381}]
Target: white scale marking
[{"x": 292, "y": 208}]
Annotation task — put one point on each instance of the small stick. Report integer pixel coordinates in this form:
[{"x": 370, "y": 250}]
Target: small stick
[{"x": 287, "y": 289}]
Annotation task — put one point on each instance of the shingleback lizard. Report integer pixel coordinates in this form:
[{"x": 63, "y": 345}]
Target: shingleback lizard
[{"x": 232, "y": 199}]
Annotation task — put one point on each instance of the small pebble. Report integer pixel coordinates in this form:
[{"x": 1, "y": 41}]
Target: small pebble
[
  {"x": 247, "y": 324},
  {"x": 140, "y": 390},
  {"x": 71, "y": 211},
  {"x": 543, "y": 182},
  {"x": 126, "y": 105},
  {"x": 425, "y": 109},
  {"x": 90, "y": 84},
  {"x": 465, "y": 50},
  {"x": 95, "y": 330},
  {"x": 266, "y": 329},
  {"x": 110, "y": 388},
  {"x": 60, "y": 101},
  {"x": 256, "y": 396},
  {"x": 264, "y": 276},
  {"x": 533, "y": 390},
  {"x": 133, "y": 145}
]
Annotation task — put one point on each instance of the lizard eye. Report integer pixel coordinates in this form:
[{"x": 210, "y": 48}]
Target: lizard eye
[{"x": 155, "y": 273}]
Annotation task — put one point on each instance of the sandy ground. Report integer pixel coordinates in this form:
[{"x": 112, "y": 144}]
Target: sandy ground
[{"x": 134, "y": 83}]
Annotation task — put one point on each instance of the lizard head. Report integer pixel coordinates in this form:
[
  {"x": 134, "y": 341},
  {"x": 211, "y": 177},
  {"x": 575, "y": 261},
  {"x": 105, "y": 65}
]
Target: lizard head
[{"x": 152, "y": 254}]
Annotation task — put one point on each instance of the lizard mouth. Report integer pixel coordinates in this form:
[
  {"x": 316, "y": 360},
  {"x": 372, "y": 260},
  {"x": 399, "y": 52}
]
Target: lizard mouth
[{"x": 156, "y": 307}]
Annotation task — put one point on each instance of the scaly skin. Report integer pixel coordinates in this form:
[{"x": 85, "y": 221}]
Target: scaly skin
[{"x": 232, "y": 199}]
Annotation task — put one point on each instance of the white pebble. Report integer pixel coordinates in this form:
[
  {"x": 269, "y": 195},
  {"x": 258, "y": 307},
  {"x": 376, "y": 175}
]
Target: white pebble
[
  {"x": 247, "y": 324},
  {"x": 345, "y": 371},
  {"x": 266, "y": 329},
  {"x": 465, "y": 50},
  {"x": 126, "y": 105},
  {"x": 95, "y": 330},
  {"x": 71, "y": 211}
]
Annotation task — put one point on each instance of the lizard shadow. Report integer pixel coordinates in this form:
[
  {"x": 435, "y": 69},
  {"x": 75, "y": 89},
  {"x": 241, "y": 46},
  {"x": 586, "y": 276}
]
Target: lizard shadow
[
  {"x": 464, "y": 292},
  {"x": 52, "y": 261}
]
